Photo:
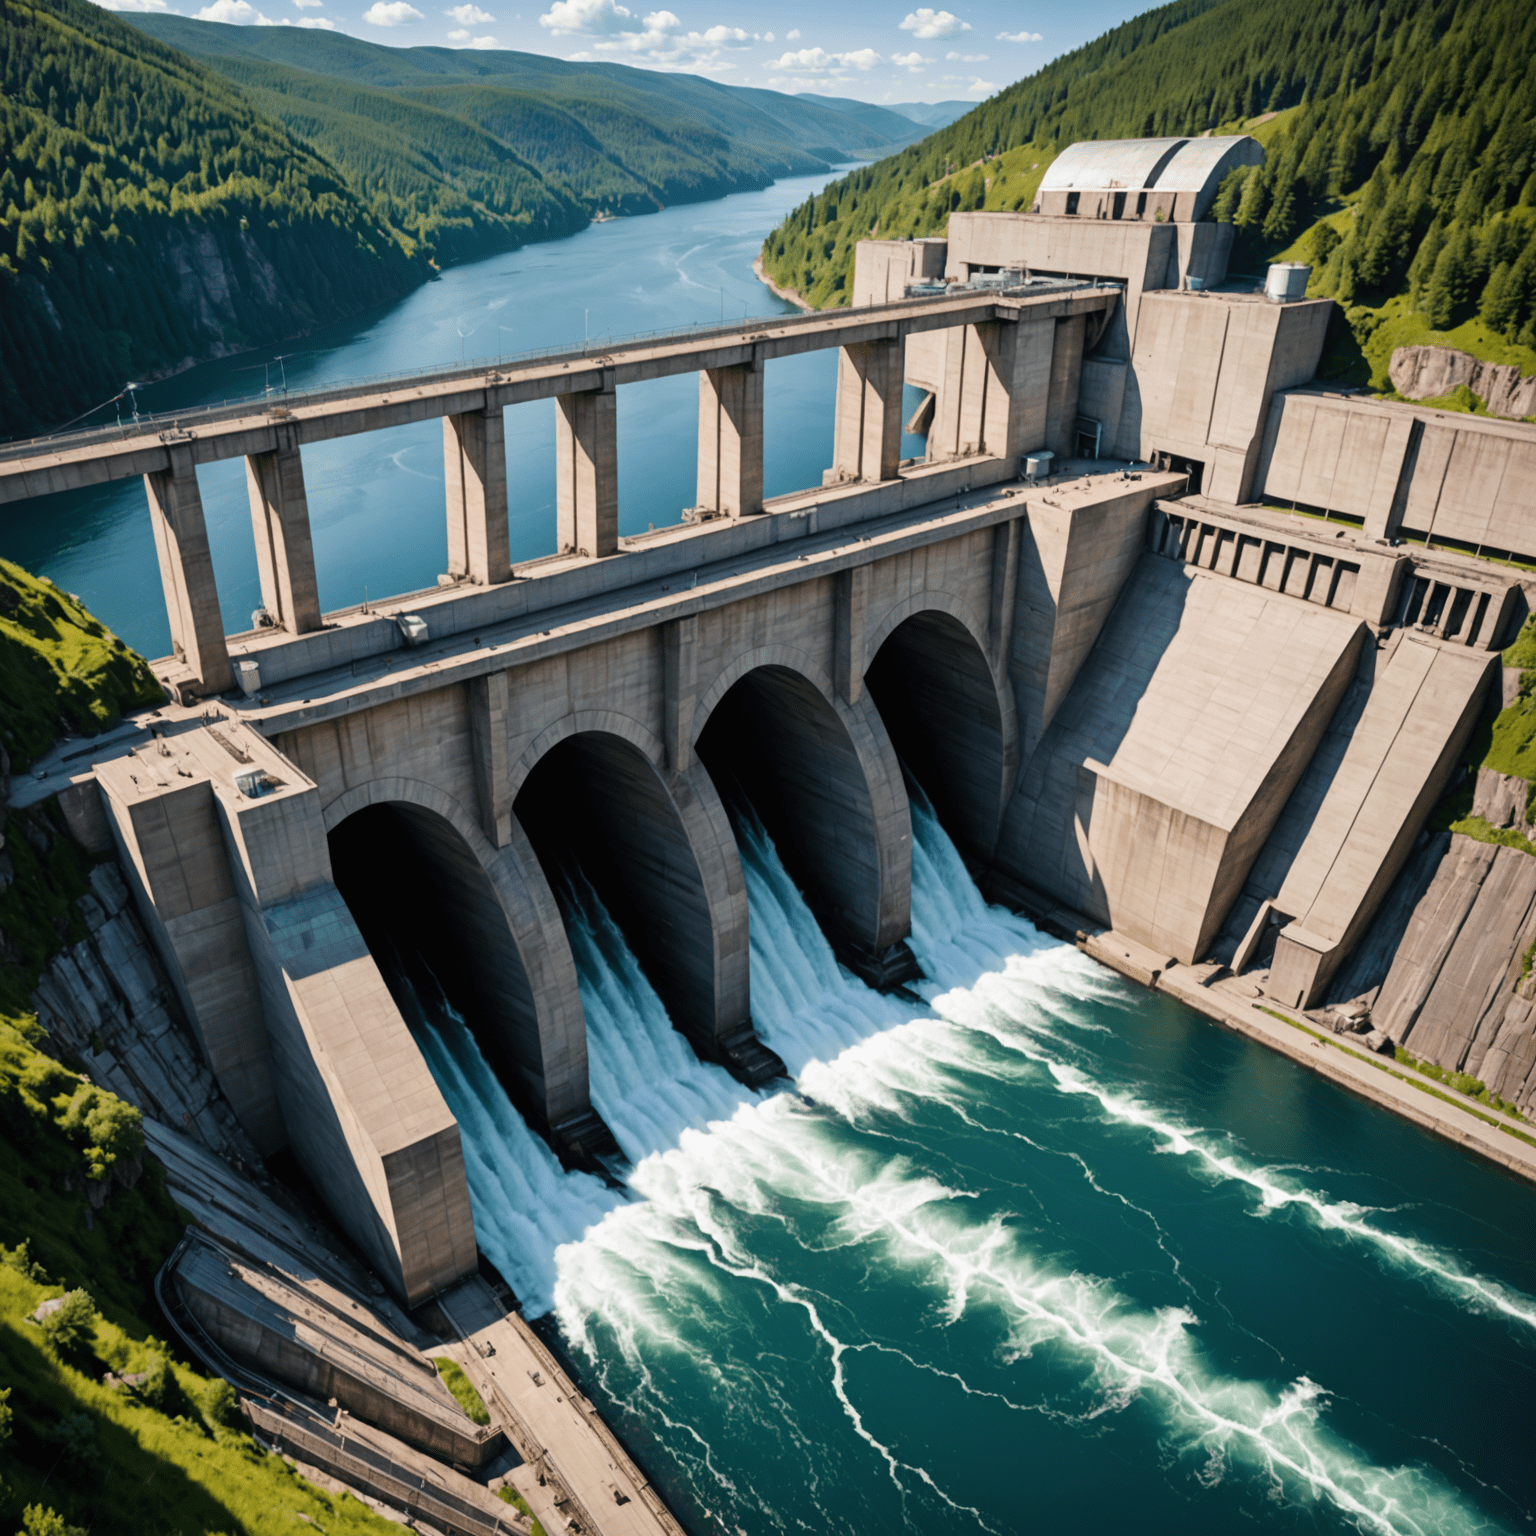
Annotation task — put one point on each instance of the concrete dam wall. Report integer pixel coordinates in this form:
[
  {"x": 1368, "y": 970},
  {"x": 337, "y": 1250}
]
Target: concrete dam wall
[{"x": 1133, "y": 690}]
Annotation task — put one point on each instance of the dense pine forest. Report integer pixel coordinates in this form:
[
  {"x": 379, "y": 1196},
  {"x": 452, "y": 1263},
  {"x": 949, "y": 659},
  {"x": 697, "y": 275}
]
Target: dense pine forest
[
  {"x": 1401, "y": 159},
  {"x": 149, "y": 214}
]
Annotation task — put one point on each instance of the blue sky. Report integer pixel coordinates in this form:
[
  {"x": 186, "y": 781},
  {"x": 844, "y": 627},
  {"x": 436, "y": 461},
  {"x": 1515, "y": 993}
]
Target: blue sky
[{"x": 860, "y": 48}]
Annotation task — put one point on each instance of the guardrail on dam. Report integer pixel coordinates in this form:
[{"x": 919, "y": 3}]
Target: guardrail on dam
[{"x": 1208, "y": 724}]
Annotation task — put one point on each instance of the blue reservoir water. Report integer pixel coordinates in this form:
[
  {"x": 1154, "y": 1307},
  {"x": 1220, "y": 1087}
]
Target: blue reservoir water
[
  {"x": 376, "y": 501},
  {"x": 1049, "y": 1254}
]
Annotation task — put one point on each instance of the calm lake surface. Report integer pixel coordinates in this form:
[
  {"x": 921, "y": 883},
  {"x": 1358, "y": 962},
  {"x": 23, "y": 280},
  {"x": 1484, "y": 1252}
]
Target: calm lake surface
[
  {"x": 1048, "y": 1254},
  {"x": 376, "y": 501}
]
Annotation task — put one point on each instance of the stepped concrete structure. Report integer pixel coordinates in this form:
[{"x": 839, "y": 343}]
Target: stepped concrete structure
[{"x": 1137, "y": 685}]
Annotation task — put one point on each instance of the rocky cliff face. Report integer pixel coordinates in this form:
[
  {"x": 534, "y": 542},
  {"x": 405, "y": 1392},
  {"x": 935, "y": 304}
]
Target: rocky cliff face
[
  {"x": 1443, "y": 966},
  {"x": 106, "y": 1003},
  {"x": 1426, "y": 373}
]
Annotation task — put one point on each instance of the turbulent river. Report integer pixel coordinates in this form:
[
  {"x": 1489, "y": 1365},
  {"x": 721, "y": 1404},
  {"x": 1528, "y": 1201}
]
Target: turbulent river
[{"x": 1047, "y": 1254}]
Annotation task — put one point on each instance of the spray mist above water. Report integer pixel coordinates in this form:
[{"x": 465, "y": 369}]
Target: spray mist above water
[{"x": 799, "y": 1286}]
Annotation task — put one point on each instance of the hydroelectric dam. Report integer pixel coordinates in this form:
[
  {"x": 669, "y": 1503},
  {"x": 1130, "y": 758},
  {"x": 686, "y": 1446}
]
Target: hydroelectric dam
[{"x": 1150, "y": 704}]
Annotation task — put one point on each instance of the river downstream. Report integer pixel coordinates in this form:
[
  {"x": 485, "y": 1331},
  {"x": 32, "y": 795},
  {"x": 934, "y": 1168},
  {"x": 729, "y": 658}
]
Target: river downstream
[{"x": 1044, "y": 1252}]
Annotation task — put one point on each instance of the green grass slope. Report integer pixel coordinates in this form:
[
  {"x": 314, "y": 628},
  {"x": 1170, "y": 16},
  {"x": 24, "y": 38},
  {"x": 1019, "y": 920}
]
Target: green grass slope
[
  {"x": 1401, "y": 140},
  {"x": 59, "y": 668},
  {"x": 129, "y": 173}
]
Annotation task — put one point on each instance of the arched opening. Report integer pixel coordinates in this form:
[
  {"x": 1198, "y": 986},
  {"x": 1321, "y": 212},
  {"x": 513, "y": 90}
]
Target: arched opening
[
  {"x": 775, "y": 743},
  {"x": 431, "y": 919},
  {"x": 935, "y": 693},
  {"x": 595, "y": 804}
]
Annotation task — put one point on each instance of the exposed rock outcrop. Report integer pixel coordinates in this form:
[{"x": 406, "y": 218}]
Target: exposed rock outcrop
[
  {"x": 105, "y": 1002},
  {"x": 1425, "y": 373},
  {"x": 1441, "y": 964}
]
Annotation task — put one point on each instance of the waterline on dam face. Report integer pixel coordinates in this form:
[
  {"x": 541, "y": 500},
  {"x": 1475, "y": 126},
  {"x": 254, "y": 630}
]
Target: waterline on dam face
[{"x": 1048, "y": 1254}]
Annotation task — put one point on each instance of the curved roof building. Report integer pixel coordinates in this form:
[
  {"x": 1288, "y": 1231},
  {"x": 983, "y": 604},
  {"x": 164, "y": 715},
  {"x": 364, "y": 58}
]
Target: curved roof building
[{"x": 1143, "y": 178}]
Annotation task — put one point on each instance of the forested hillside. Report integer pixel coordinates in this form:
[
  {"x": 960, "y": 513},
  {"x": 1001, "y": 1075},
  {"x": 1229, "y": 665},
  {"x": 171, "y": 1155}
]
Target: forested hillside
[
  {"x": 1401, "y": 139},
  {"x": 452, "y": 143},
  {"x": 149, "y": 214}
]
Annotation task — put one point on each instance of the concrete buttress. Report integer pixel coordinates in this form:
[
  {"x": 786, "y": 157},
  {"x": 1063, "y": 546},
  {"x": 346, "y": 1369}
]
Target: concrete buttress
[
  {"x": 186, "y": 573},
  {"x": 475, "y": 476},
  {"x": 587, "y": 472},
  {"x": 730, "y": 480},
  {"x": 285, "y": 555}
]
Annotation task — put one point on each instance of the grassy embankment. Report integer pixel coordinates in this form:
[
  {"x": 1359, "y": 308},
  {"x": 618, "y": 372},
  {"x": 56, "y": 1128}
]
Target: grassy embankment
[{"x": 81, "y": 1208}]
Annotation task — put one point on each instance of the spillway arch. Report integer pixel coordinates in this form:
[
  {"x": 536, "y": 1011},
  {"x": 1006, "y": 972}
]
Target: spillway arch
[
  {"x": 858, "y": 873},
  {"x": 535, "y": 1035},
  {"x": 965, "y": 753},
  {"x": 676, "y": 880}
]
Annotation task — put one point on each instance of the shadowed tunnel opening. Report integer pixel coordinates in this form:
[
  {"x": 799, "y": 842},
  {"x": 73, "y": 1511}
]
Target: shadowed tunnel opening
[
  {"x": 432, "y": 920},
  {"x": 934, "y": 690},
  {"x": 774, "y": 744},
  {"x": 594, "y": 808}
]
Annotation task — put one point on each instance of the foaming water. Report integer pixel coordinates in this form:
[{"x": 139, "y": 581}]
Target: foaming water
[{"x": 942, "y": 1273}]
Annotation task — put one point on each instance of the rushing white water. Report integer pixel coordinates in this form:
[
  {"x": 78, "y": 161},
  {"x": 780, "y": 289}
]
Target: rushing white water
[{"x": 640, "y": 1279}]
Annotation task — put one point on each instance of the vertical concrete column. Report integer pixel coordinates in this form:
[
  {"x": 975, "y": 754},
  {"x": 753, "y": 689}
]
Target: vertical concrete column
[
  {"x": 731, "y": 439},
  {"x": 852, "y": 599},
  {"x": 1066, "y": 383},
  {"x": 867, "y": 432},
  {"x": 475, "y": 473},
  {"x": 679, "y": 675},
  {"x": 488, "y": 737},
  {"x": 1007, "y": 540},
  {"x": 186, "y": 572},
  {"x": 960, "y": 411},
  {"x": 285, "y": 554},
  {"x": 587, "y": 472},
  {"x": 1018, "y": 387}
]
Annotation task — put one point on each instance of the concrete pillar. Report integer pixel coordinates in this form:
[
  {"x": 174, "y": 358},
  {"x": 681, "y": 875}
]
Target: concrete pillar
[
  {"x": 587, "y": 472},
  {"x": 285, "y": 554},
  {"x": 475, "y": 472},
  {"x": 488, "y": 736},
  {"x": 867, "y": 433},
  {"x": 1018, "y": 387},
  {"x": 1066, "y": 383},
  {"x": 852, "y": 592},
  {"x": 186, "y": 572},
  {"x": 679, "y": 671},
  {"x": 731, "y": 440},
  {"x": 972, "y": 375},
  {"x": 1007, "y": 541}
]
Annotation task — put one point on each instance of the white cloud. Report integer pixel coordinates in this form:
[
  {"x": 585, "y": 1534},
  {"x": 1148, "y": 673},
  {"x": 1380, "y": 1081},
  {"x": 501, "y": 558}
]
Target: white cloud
[
  {"x": 317, "y": 23},
  {"x": 390, "y": 13},
  {"x": 133, "y": 5},
  {"x": 980, "y": 87},
  {"x": 239, "y": 13},
  {"x": 1019, "y": 37},
  {"x": 913, "y": 61},
  {"x": 468, "y": 15},
  {"x": 482, "y": 42},
  {"x": 967, "y": 58},
  {"x": 792, "y": 36},
  {"x": 594, "y": 18},
  {"x": 929, "y": 24},
  {"x": 308, "y": 5},
  {"x": 459, "y": 35},
  {"x": 657, "y": 37},
  {"x": 817, "y": 61},
  {"x": 767, "y": 37}
]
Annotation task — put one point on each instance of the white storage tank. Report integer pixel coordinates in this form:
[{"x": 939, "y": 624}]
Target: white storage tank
[
  {"x": 1287, "y": 282},
  {"x": 1039, "y": 465}
]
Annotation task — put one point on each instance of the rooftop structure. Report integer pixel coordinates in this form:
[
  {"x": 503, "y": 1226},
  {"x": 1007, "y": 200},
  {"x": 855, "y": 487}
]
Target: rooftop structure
[{"x": 1163, "y": 180}]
